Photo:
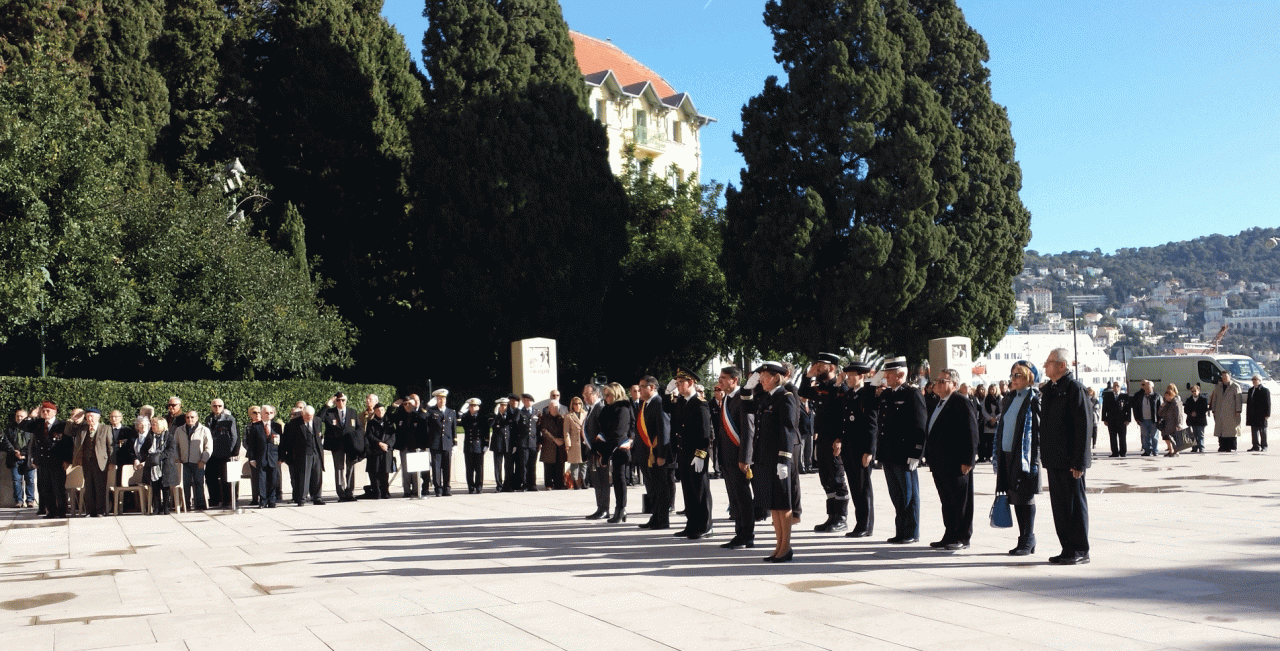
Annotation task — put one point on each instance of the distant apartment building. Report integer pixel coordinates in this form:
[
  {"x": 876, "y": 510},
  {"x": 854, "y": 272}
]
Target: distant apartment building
[
  {"x": 1264, "y": 319},
  {"x": 1041, "y": 299},
  {"x": 638, "y": 107}
]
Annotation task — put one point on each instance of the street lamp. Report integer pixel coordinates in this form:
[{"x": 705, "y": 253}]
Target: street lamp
[{"x": 43, "y": 303}]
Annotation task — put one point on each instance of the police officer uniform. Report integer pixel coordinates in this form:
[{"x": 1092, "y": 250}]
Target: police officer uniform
[
  {"x": 691, "y": 435},
  {"x": 826, "y": 399},
  {"x": 901, "y": 432},
  {"x": 860, "y": 407}
]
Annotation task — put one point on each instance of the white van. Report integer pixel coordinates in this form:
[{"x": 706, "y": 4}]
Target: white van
[{"x": 1186, "y": 370}]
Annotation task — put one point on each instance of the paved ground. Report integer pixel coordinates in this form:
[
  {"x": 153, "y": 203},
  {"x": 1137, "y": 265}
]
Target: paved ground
[{"x": 1185, "y": 556}]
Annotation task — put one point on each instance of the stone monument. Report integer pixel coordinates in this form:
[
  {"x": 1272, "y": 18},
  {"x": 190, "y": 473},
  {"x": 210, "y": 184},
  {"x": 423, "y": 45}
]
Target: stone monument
[
  {"x": 533, "y": 367},
  {"x": 951, "y": 352}
]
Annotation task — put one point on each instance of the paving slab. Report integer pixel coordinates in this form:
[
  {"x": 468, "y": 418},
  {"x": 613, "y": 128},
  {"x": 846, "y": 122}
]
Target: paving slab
[{"x": 1186, "y": 556}]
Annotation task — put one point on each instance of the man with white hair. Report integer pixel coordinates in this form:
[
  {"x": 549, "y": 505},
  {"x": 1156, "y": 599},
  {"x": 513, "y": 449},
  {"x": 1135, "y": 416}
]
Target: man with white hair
[
  {"x": 1066, "y": 430},
  {"x": 304, "y": 438}
]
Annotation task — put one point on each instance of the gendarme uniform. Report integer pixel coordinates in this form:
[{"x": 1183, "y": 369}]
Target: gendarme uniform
[
  {"x": 860, "y": 408},
  {"x": 825, "y": 398},
  {"x": 777, "y": 440},
  {"x": 691, "y": 440}
]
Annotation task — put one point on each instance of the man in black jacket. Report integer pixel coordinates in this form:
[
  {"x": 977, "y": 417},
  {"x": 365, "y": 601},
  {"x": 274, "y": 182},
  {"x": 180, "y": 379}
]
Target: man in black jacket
[
  {"x": 303, "y": 438},
  {"x": 900, "y": 444},
  {"x": 226, "y": 446},
  {"x": 263, "y": 449},
  {"x": 1115, "y": 413},
  {"x": 1066, "y": 429},
  {"x": 50, "y": 453},
  {"x": 16, "y": 440},
  {"x": 734, "y": 419},
  {"x": 1257, "y": 411},
  {"x": 524, "y": 442},
  {"x": 343, "y": 439},
  {"x": 691, "y": 438},
  {"x": 442, "y": 433},
  {"x": 1145, "y": 405},
  {"x": 857, "y": 444},
  {"x": 820, "y": 386},
  {"x": 653, "y": 429},
  {"x": 475, "y": 442},
  {"x": 951, "y": 448}
]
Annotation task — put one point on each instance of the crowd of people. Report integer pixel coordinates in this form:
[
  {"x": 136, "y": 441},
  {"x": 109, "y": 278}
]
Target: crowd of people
[{"x": 750, "y": 432}]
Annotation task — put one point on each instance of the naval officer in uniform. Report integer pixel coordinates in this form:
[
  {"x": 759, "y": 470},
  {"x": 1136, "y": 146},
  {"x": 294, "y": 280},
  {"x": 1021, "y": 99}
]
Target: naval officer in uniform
[
  {"x": 821, "y": 387},
  {"x": 900, "y": 444}
]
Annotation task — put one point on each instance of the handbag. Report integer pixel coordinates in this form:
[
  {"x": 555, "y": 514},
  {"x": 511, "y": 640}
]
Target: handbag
[
  {"x": 1182, "y": 439},
  {"x": 1001, "y": 515}
]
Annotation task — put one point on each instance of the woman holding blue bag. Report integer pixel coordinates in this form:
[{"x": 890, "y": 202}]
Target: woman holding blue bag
[{"x": 1017, "y": 451}]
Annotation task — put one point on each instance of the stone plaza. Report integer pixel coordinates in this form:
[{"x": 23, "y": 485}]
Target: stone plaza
[{"x": 1186, "y": 555}]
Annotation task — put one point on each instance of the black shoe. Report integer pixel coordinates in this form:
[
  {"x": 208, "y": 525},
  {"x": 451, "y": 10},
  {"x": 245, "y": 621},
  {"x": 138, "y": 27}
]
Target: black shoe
[
  {"x": 318, "y": 502},
  {"x": 738, "y": 543},
  {"x": 956, "y": 546},
  {"x": 940, "y": 544},
  {"x": 858, "y": 533},
  {"x": 683, "y": 533},
  {"x": 618, "y": 516},
  {"x": 785, "y": 558},
  {"x": 1058, "y": 559},
  {"x": 271, "y": 505},
  {"x": 899, "y": 540},
  {"x": 1074, "y": 559},
  {"x": 699, "y": 536},
  {"x": 1022, "y": 551},
  {"x": 598, "y": 514},
  {"x": 1114, "y": 455},
  {"x": 299, "y": 503}
]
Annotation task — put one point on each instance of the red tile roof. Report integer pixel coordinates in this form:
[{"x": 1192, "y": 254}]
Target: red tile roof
[{"x": 595, "y": 55}]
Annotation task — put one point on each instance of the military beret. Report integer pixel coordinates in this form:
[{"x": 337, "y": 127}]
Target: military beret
[{"x": 93, "y": 410}]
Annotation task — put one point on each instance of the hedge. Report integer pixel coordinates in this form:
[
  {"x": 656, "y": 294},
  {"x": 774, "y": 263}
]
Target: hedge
[{"x": 26, "y": 392}]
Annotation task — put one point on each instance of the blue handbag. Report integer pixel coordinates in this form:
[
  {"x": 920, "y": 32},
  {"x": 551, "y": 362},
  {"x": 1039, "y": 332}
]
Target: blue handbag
[{"x": 1001, "y": 516}]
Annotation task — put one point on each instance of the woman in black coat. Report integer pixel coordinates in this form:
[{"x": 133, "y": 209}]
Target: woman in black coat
[
  {"x": 612, "y": 447},
  {"x": 380, "y": 443},
  {"x": 161, "y": 453},
  {"x": 1196, "y": 407},
  {"x": 1017, "y": 446}
]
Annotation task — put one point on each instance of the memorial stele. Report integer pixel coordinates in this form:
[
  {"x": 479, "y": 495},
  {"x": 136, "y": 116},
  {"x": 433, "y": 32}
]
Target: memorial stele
[
  {"x": 951, "y": 352},
  {"x": 533, "y": 367}
]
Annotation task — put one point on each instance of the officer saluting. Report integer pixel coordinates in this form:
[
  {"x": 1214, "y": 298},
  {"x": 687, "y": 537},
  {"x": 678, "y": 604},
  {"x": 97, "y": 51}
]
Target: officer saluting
[
  {"x": 899, "y": 447},
  {"x": 857, "y": 445},
  {"x": 821, "y": 388}
]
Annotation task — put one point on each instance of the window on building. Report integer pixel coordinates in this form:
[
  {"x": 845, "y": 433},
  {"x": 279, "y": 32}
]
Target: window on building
[
  {"x": 642, "y": 125},
  {"x": 600, "y": 110},
  {"x": 675, "y": 131}
]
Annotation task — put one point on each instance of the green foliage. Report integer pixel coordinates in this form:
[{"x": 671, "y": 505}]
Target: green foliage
[
  {"x": 879, "y": 206},
  {"x": 676, "y": 235},
  {"x": 186, "y": 53},
  {"x": 518, "y": 222},
  {"x": 26, "y": 392}
]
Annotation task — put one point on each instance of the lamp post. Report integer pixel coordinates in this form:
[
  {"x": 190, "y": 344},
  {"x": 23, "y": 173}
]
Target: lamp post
[{"x": 48, "y": 279}]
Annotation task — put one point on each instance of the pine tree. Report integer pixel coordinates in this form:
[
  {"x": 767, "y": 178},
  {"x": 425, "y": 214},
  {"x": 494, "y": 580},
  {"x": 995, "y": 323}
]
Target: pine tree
[
  {"x": 879, "y": 204},
  {"x": 186, "y": 53},
  {"x": 522, "y": 222}
]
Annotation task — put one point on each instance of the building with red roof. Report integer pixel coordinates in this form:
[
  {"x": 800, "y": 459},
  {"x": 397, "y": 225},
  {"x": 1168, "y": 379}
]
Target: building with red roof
[{"x": 637, "y": 106}]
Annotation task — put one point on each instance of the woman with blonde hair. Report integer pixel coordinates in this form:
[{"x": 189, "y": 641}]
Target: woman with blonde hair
[
  {"x": 161, "y": 453},
  {"x": 1169, "y": 419},
  {"x": 611, "y": 451}
]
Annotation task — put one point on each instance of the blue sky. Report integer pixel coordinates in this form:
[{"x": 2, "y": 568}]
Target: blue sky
[{"x": 1137, "y": 122}]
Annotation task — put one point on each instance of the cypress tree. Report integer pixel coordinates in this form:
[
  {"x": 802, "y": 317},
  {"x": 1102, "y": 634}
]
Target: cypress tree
[
  {"x": 521, "y": 223},
  {"x": 879, "y": 205},
  {"x": 186, "y": 54}
]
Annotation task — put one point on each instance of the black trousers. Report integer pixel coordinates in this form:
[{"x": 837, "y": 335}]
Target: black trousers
[
  {"x": 529, "y": 468},
  {"x": 215, "y": 479},
  {"x": 1070, "y": 510},
  {"x": 161, "y": 497},
  {"x": 1259, "y": 436},
  {"x": 831, "y": 474},
  {"x": 660, "y": 481},
  {"x": 474, "y": 464},
  {"x": 499, "y": 460},
  {"x": 308, "y": 476},
  {"x": 738, "y": 487},
  {"x": 51, "y": 482},
  {"x": 441, "y": 471},
  {"x": 697, "y": 497},
  {"x": 1118, "y": 433},
  {"x": 955, "y": 492},
  {"x": 381, "y": 483},
  {"x": 265, "y": 485},
  {"x": 94, "y": 494},
  {"x": 860, "y": 492},
  {"x": 806, "y": 453}
]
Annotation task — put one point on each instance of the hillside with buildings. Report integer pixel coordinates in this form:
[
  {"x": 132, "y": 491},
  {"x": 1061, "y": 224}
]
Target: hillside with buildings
[{"x": 1172, "y": 297}]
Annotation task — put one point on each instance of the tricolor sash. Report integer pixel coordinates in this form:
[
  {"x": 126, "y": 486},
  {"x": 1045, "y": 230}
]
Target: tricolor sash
[{"x": 727, "y": 424}]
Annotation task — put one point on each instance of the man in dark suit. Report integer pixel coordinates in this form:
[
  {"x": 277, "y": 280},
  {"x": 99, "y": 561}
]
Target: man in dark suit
[
  {"x": 410, "y": 427},
  {"x": 691, "y": 441},
  {"x": 951, "y": 448},
  {"x": 900, "y": 444},
  {"x": 1115, "y": 413},
  {"x": 1066, "y": 429},
  {"x": 442, "y": 433},
  {"x": 653, "y": 428},
  {"x": 263, "y": 449},
  {"x": 93, "y": 455},
  {"x": 500, "y": 441},
  {"x": 304, "y": 438},
  {"x": 1145, "y": 405},
  {"x": 1257, "y": 411},
  {"x": 525, "y": 437},
  {"x": 50, "y": 454},
  {"x": 857, "y": 445},
  {"x": 733, "y": 417},
  {"x": 343, "y": 439}
]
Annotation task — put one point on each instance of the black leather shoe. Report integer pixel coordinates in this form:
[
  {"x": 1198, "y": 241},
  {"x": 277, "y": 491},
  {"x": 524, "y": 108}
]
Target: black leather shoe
[
  {"x": 940, "y": 544},
  {"x": 785, "y": 558},
  {"x": 738, "y": 543},
  {"x": 1058, "y": 559},
  {"x": 318, "y": 502},
  {"x": 1022, "y": 551},
  {"x": 858, "y": 533},
  {"x": 957, "y": 546},
  {"x": 619, "y": 515},
  {"x": 1075, "y": 559},
  {"x": 683, "y": 533},
  {"x": 699, "y": 536},
  {"x": 903, "y": 541},
  {"x": 598, "y": 514}
]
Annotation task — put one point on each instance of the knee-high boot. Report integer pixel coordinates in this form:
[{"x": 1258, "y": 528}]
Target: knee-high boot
[{"x": 1026, "y": 516}]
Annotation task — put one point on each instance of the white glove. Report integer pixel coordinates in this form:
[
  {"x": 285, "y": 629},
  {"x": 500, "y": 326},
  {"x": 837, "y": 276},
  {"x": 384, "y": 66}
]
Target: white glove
[
  {"x": 699, "y": 464},
  {"x": 912, "y": 464},
  {"x": 671, "y": 387},
  {"x": 783, "y": 470},
  {"x": 752, "y": 382}
]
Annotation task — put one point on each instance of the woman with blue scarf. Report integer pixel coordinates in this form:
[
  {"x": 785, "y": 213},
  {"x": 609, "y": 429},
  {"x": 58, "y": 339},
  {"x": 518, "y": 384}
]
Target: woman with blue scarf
[{"x": 1017, "y": 451}]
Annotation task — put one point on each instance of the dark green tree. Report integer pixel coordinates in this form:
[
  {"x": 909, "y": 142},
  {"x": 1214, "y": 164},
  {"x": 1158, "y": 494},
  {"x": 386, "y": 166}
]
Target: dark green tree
[
  {"x": 186, "y": 53},
  {"x": 519, "y": 223},
  {"x": 676, "y": 232},
  {"x": 879, "y": 205}
]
